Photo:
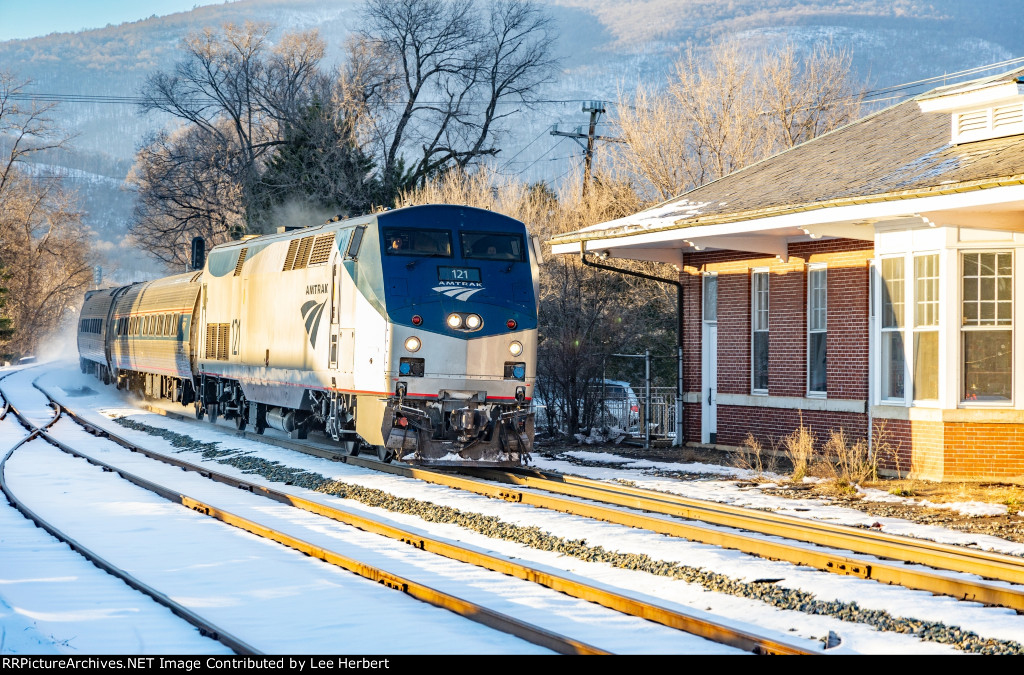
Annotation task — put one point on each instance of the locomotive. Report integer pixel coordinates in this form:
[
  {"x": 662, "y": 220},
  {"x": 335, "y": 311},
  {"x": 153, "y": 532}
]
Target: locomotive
[{"x": 411, "y": 332}]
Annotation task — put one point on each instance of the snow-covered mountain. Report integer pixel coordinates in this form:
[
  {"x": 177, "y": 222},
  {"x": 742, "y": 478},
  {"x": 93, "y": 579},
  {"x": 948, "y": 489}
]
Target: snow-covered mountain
[{"x": 607, "y": 47}]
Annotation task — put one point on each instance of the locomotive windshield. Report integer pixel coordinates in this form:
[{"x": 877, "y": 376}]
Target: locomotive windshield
[
  {"x": 492, "y": 246},
  {"x": 416, "y": 242}
]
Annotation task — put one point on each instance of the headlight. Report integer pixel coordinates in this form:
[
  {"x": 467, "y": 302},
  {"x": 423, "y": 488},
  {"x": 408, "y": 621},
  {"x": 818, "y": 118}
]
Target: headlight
[
  {"x": 412, "y": 344},
  {"x": 473, "y": 321},
  {"x": 515, "y": 348},
  {"x": 454, "y": 321}
]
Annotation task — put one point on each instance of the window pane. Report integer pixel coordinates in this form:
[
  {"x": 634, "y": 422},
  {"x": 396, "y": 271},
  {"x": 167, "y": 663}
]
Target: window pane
[
  {"x": 926, "y": 365},
  {"x": 892, "y": 293},
  {"x": 816, "y": 299},
  {"x": 416, "y": 242},
  {"x": 988, "y": 358},
  {"x": 817, "y": 374},
  {"x": 710, "y": 298},
  {"x": 926, "y": 290},
  {"x": 760, "y": 360},
  {"x": 493, "y": 246},
  {"x": 892, "y": 364}
]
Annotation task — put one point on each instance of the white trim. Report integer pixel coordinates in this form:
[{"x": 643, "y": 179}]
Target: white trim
[
  {"x": 971, "y": 415},
  {"x": 794, "y": 402},
  {"x": 854, "y": 213}
]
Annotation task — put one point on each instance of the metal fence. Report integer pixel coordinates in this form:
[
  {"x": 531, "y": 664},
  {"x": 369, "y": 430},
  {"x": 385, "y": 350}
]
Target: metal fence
[{"x": 623, "y": 410}]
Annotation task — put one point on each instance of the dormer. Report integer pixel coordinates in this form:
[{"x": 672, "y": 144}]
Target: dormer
[{"x": 980, "y": 110}]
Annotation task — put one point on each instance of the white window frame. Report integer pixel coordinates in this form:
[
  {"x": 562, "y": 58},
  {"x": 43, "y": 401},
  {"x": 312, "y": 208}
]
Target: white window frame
[
  {"x": 964, "y": 329},
  {"x": 755, "y": 311},
  {"x": 900, "y": 327},
  {"x": 814, "y": 327},
  {"x": 917, "y": 328}
]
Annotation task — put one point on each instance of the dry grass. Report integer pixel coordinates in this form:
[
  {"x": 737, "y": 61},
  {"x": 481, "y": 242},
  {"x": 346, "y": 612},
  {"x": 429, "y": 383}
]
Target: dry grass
[
  {"x": 752, "y": 457},
  {"x": 799, "y": 450},
  {"x": 847, "y": 463}
]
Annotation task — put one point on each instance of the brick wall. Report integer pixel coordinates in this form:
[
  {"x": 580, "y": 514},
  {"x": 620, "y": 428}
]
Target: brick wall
[{"x": 847, "y": 363}]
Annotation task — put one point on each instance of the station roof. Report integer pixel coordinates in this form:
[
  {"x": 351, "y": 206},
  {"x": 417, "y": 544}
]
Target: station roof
[{"x": 897, "y": 163}]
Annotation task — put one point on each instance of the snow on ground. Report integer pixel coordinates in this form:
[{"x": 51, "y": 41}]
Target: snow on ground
[
  {"x": 85, "y": 394},
  {"x": 751, "y": 495}
]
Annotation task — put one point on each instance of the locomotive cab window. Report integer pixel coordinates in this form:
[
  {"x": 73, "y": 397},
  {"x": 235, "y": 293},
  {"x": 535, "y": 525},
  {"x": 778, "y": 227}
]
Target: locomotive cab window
[
  {"x": 415, "y": 242},
  {"x": 492, "y": 246}
]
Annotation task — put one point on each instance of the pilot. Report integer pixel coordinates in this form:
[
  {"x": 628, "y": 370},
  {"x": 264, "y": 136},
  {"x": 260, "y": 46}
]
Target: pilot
[{"x": 396, "y": 244}]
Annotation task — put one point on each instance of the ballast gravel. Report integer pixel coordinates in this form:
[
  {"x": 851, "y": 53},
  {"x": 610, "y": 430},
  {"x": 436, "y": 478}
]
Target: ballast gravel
[{"x": 491, "y": 526}]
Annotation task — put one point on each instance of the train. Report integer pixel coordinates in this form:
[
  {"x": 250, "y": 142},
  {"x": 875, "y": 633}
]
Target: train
[{"x": 410, "y": 333}]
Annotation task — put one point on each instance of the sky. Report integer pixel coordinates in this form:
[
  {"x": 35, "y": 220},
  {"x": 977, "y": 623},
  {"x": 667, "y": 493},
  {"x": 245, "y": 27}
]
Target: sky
[
  {"x": 20, "y": 19},
  {"x": 44, "y": 609}
]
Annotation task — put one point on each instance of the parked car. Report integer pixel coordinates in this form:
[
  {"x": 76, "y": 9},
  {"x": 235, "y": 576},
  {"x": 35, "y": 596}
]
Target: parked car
[
  {"x": 613, "y": 403},
  {"x": 621, "y": 405}
]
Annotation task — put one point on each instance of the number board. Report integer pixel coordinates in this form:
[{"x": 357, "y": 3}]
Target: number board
[{"x": 458, "y": 274}]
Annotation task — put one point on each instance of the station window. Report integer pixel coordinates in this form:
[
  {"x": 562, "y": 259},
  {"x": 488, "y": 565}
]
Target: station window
[
  {"x": 926, "y": 327},
  {"x": 893, "y": 361},
  {"x": 987, "y": 326},
  {"x": 759, "y": 330},
  {"x": 817, "y": 328}
]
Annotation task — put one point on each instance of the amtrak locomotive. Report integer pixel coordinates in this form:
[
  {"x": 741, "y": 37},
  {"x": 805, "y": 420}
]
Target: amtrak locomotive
[{"x": 412, "y": 332}]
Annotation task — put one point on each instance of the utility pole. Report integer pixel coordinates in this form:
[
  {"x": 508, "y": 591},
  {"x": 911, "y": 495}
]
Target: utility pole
[{"x": 596, "y": 109}]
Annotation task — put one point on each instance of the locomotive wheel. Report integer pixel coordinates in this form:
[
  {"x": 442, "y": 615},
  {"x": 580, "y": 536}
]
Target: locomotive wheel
[
  {"x": 240, "y": 421},
  {"x": 349, "y": 448},
  {"x": 384, "y": 454}
]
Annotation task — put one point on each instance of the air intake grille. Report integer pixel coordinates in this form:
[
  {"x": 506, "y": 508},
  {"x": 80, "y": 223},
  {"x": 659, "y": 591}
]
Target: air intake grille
[
  {"x": 218, "y": 337},
  {"x": 241, "y": 261}
]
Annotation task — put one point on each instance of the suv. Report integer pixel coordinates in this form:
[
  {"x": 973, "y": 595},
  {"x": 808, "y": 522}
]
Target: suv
[{"x": 621, "y": 407}]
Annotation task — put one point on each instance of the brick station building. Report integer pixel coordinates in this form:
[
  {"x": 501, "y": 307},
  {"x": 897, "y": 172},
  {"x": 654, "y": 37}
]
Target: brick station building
[{"x": 869, "y": 279}]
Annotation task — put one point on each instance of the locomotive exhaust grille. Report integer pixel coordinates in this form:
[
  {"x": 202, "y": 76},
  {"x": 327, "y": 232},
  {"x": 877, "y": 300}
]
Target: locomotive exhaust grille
[
  {"x": 217, "y": 339},
  {"x": 321, "y": 249}
]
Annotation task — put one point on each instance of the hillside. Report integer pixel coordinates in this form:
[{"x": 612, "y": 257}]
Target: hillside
[{"x": 607, "y": 46}]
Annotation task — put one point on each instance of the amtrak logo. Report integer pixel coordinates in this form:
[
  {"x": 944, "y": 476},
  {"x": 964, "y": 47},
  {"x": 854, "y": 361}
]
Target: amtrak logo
[
  {"x": 457, "y": 292},
  {"x": 311, "y": 312}
]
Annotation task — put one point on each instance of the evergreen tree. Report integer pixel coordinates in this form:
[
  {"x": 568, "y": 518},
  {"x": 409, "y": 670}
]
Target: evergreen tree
[{"x": 319, "y": 165}]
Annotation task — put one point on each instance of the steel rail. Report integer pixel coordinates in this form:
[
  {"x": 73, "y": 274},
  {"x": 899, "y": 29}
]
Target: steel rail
[
  {"x": 895, "y": 571},
  {"x": 205, "y": 628},
  {"x": 689, "y": 623},
  {"x": 422, "y": 592},
  {"x": 986, "y": 564}
]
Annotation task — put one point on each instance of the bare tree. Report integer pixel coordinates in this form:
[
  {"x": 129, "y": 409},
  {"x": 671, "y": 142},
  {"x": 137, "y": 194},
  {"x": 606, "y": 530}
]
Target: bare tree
[
  {"x": 233, "y": 93},
  {"x": 726, "y": 109},
  {"x": 188, "y": 186},
  {"x": 44, "y": 249},
  {"x": 448, "y": 69}
]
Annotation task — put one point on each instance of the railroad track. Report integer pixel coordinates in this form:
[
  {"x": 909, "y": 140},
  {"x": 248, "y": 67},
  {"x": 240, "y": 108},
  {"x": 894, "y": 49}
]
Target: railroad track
[
  {"x": 205, "y": 627},
  {"x": 696, "y": 625},
  {"x": 889, "y": 559}
]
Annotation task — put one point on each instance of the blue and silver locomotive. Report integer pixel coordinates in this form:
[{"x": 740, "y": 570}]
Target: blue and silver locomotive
[{"x": 412, "y": 332}]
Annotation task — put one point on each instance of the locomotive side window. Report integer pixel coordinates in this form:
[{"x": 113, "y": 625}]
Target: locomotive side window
[
  {"x": 493, "y": 246},
  {"x": 414, "y": 242}
]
